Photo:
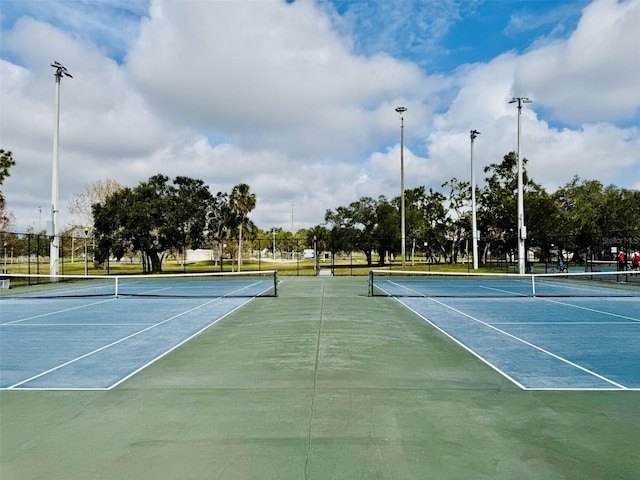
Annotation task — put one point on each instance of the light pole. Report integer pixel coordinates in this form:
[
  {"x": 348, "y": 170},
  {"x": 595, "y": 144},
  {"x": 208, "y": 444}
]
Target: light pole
[
  {"x": 401, "y": 110},
  {"x": 315, "y": 254},
  {"x": 54, "y": 248},
  {"x": 474, "y": 226},
  {"x": 86, "y": 264},
  {"x": 522, "y": 229}
]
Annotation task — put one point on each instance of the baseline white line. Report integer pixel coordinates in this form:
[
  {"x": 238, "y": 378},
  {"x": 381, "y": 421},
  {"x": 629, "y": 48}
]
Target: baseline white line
[
  {"x": 104, "y": 347},
  {"x": 547, "y": 352}
]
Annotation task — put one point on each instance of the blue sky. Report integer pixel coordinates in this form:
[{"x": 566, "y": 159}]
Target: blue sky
[
  {"x": 465, "y": 31},
  {"x": 440, "y": 36},
  {"x": 297, "y": 98}
]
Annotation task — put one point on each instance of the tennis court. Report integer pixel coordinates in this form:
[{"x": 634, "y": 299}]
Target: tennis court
[
  {"x": 81, "y": 332},
  {"x": 556, "y": 331},
  {"x": 320, "y": 382},
  {"x": 543, "y": 343}
]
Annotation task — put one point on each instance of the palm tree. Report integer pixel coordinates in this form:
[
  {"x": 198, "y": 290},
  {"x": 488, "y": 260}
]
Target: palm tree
[{"x": 241, "y": 202}]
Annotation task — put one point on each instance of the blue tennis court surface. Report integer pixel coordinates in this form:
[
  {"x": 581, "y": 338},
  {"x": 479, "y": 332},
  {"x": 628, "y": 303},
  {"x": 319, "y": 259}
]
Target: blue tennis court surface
[
  {"x": 545, "y": 343},
  {"x": 93, "y": 343}
]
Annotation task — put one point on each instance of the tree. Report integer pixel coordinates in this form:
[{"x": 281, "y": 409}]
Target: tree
[
  {"x": 187, "y": 214},
  {"x": 427, "y": 220},
  {"x": 544, "y": 223},
  {"x": 367, "y": 225},
  {"x": 358, "y": 221},
  {"x": 6, "y": 162},
  {"x": 597, "y": 218},
  {"x": 221, "y": 220},
  {"x": 6, "y": 216},
  {"x": 318, "y": 237},
  {"x": 242, "y": 202},
  {"x": 81, "y": 202},
  {"x": 152, "y": 218},
  {"x": 498, "y": 213},
  {"x": 387, "y": 229},
  {"x": 458, "y": 222},
  {"x": 110, "y": 232}
]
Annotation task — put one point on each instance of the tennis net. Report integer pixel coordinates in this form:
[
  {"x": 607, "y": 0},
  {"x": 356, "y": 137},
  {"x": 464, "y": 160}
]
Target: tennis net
[
  {"x": 446, "y": 284},
  {"x": 205, "y": 285}
]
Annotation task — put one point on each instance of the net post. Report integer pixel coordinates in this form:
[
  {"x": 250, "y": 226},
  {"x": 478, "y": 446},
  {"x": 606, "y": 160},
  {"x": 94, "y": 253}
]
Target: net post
[
  {"x": 370, "y": 284},
  {"x": 116, "y": 286},
  {"x": 276, "y": 280},
  {"x": 533, "y": 285}
]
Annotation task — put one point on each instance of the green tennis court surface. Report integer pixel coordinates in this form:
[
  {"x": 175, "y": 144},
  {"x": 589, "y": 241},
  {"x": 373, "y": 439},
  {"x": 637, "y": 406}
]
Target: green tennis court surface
[{"x": 321, "y": 382}]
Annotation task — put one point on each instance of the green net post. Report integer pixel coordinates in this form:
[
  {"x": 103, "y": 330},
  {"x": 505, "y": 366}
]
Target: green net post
[
  {"x": 370, "y": 288},
  {"x": 276, "y": 280}
]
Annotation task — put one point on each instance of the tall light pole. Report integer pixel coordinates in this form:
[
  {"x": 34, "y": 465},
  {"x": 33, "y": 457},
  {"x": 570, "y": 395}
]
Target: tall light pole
[
  {"x": 86, "y": 251},
  {"x": 474, "y": 226},
  {"x": 315, "y": 254},
  {"x": 54, "y": 231},
  {"x": 522, "y": 229},
  {"x": 401, "y": 110}
]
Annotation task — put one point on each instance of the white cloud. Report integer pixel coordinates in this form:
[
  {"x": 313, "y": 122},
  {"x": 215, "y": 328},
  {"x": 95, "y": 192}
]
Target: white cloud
[
  {"x": 283, "y": 80},
  {"x": 594, "y": 74},
  {"x": 269, "y": 94}
]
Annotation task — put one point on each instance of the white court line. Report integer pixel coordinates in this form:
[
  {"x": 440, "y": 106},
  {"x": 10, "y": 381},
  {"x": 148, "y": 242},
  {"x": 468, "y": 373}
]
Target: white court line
[
  {"x": 63, "y": 324},
  {"x": 471, "y": 351},
  {"x": 176, "y": 346},
  {"x": 107, "y": 346},
  {"x": 561, "y": 323},
  {"x": 424, "y": 295},
  {"x": 57, "y": 312},
  {"x": 529, "y": 344},
  {"x": 591, "y": 309}
]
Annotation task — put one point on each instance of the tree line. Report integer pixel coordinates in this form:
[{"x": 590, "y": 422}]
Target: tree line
[
  {"x": 159, "y": 216},
  {"x": 584, "y": 219}
]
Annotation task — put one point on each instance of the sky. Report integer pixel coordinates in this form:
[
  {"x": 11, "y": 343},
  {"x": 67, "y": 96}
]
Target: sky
[{"x": 297, "y": 99}]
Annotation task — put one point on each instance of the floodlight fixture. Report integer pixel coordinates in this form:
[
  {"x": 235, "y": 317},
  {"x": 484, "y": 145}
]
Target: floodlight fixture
[{"x": 60, "y": 70}]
